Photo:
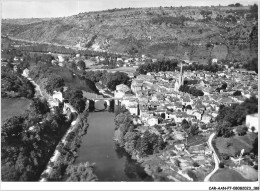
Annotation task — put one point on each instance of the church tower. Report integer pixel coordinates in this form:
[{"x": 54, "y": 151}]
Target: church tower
[
  {"x": 181, "y": 78},
  {"x": 180, "y": 82}
]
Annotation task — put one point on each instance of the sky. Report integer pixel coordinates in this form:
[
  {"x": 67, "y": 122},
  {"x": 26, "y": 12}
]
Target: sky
[{"x": 61, "y": 8}]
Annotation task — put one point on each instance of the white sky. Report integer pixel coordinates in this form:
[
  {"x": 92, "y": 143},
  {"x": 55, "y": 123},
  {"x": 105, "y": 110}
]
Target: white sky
[{"x": 60, "y": 8}]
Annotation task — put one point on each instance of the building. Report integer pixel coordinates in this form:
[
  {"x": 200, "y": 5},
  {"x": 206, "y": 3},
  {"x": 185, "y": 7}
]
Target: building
[
  {"x": 181, "y": 80},
  {"x": 152, "y": 121},
  {"x": 252, "y": 122},
  {"x": 57, "y": 95},
  {"x": 214, "y": 60}
]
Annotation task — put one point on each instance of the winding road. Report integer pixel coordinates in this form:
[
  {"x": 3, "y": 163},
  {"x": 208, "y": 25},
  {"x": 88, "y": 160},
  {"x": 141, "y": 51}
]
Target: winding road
[{"x": 216, "y": 159}]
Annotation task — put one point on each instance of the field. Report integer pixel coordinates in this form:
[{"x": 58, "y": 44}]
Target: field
[
  {"x": 227, "y": 175},
  {"x": 12, "y": 107},
  {"x": 233, "y": 145}
]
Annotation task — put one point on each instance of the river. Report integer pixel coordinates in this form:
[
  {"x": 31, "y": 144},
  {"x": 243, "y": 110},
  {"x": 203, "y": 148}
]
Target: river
[{"x": 112, "y": 163}]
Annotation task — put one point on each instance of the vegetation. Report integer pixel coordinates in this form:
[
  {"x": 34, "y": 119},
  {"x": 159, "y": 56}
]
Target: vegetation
[
  {"x": 191, "y": 90},
  {"x": 162, "y": 65},
  {"x": 62, "y": 168},
  {"x": 235, "y": 115},
  {"x": 135, "y": 38},
  {"x": 252, "y": 65},
  {"x": 15, "y": 85},
  {"x": 13, "y": 107},
  {"x": 209, "y": 67},
  {"x": 232, "y": 146},
  {"x": 76, "y": 99},
  {"x": 111, "y": 80},
  {"x": 170, "y": 20},
  {"x": 54, "y": 78},
  {"x": 132, "y": 141},
  {"x": 80, "y": 173},
  {"x": 27, "y": 144}
]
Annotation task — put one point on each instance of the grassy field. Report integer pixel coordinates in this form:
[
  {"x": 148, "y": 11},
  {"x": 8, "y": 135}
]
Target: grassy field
[
  {"x": 12, "y": 107},
  {"x": 197, "y": 140},
  {"x": 227, "y": 175},
  {"x": 233, "y": 145}
]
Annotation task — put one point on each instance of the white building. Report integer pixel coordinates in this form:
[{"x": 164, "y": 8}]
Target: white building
[
  {"x": 152, "y": 121},
  {"x": 61, "y": 59},
  {"x": 57, "y": 95},
  {"x": 25, "y": 72},
  {"x": 214, "y": 60},
  {"x": 252, "y": 122}
]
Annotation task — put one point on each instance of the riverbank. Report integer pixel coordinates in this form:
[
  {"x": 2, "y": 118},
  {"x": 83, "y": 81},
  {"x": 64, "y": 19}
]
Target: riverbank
[
  {"x": 65, "y": 151},
  {"x": 111, "y": 162}
]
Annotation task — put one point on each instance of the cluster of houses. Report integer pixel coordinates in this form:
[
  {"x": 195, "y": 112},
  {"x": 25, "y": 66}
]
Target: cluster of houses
[{"x": 155, "y": 96}]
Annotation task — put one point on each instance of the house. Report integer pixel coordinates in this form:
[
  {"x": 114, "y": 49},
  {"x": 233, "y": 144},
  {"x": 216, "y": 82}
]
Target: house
[
  {"x": 206, "y": 118},
  {"x": 133, "y": 110},
  {"x": 252, "y": 122},
  {"x": 25, "y": 72},
  {"x": 214, "y": 60},
  {"x": 57, "y": 95},
  {"x": 61, "y": 59},
  {"x": 152, "y": 121},
  {"x": 179, "y": 147}
]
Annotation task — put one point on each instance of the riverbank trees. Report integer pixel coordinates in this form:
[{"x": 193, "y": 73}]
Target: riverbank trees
[
  {"x": 28, "y": 142},
  {"x": 82, "y": 172},
  {"x": 134, "y": 142},
  {"x": 76, "y": 99}
]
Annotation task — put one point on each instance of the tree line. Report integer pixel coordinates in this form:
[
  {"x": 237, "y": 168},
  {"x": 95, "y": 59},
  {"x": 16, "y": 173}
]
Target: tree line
[
  {"x": 161, "y": 65},
  {"x": 108, "y": 79}
]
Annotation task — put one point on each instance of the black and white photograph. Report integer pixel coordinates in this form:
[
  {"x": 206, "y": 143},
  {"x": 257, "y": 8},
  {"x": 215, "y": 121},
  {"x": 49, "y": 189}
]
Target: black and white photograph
[{"x": 129, "y": 94}]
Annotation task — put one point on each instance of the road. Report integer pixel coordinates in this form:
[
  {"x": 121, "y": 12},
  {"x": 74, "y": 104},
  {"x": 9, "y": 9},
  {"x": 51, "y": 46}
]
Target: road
[
  {"x": 57, "y": 154},
  {"x": 216, "y": 159},
  {"x": 67, "y": 46}
]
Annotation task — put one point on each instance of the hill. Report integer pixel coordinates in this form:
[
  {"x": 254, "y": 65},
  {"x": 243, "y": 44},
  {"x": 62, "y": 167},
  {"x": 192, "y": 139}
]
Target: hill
[{"x": 202, "y": 32}]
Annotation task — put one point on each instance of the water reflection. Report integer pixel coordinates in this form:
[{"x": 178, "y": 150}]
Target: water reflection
[{"x": 132, "y": 169}]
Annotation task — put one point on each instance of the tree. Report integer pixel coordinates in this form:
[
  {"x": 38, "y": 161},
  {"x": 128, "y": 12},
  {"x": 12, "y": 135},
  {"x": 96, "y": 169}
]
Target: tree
[
  {"x": 131, "y": 140},
  {"x": 81, "y": 64},
  {"x": 252, "y": 65},
  {"x": 12, "y": 130},
  {"x": 193, "y": 130},
  {"x": 54, "y": 83},
  {"x": 185, "y": 124},
  {"x": 81, "y": 173},
  {"x": 76, "y": 99},
  {"x": 237, "y": 93},
  {"x": 39, "y": 106}
]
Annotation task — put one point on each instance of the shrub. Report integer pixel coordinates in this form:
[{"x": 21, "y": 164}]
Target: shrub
[
  {"x": 221, "y": 165},
  {"x": 195, "y": 164}
]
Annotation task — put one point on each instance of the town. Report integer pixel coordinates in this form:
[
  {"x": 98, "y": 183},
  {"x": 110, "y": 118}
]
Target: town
[{"x": 133, "y": 108}]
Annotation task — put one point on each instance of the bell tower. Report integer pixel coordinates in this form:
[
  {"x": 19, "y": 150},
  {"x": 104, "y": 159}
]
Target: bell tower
[{"x": 181, "y": 78}]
